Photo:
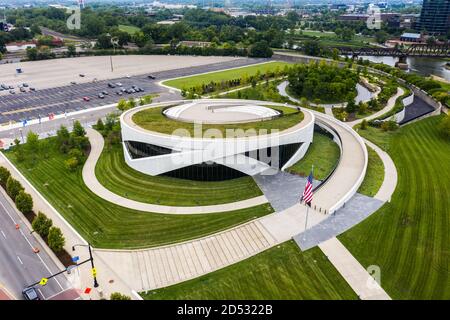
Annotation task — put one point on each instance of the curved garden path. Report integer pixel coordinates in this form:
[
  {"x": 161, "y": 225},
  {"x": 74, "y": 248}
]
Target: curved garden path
[{"x": 91, "y": 181}]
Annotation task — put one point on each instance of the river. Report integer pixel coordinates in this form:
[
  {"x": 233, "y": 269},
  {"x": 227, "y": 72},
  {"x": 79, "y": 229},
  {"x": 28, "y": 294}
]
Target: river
[{"x": 422, "y": 66}]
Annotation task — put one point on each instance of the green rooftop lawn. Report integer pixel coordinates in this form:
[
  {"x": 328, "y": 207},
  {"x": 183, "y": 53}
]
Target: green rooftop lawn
[
  {"x": 374, "y": 174},
  {"x": 409, "y": 238},
  {"x": 117, "y": 176},
  {"x": 129, "y": 29},
  {"x": 152, "y": 119},
  {"x": 229, "y": 74},
  {"x": 106, "y": 225},
  {"x": 282, "y": 272},
  {"x": 323, "y": 153}
]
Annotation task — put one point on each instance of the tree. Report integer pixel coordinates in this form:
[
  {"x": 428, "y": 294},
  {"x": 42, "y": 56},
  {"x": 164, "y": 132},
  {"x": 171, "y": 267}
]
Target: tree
[
  {"x": 351, "y": 106},
  {"x": 56, "y": 239},
  {"x": 122, "y": 105},
  {"x": 24, "y": 202},
  {"x": 78, "y": 129},
  {"x": 260, "y": 49},
  {"x": 71, "y": 50},
  {"x": 42, "y": 224},
  {"x": 131, "y": 103},
  {"x": 311, "y": 47},
  {"x": 32, "y": 143},
  {"x": 381, "y": 36},
  {"x": 13, "y": 187},
  {"x": 118, "y": 296},
  {"x": 63, "y": 138},
  {"x": 71, "y": 163},
  {"x": 4, "y": 175},
  {"x": 363, "y": 125},
  {"x": 100, "y": 126},
  {"x": 32, "y": 54}
]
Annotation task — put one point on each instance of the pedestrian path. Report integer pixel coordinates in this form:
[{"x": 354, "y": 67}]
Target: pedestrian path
[
  {"x": 90, "y": 179},
  {"x": 352, "y": 271}
]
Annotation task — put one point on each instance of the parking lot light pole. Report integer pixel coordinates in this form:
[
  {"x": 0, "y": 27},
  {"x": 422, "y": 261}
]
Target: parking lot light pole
[{"x": 91, "y": 258}]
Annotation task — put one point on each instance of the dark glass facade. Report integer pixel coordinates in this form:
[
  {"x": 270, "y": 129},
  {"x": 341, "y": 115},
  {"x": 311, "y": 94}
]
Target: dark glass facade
[
  {"x": 435, "y": 16},
  {"x": 142, "y": 150},
  {"x": 211, "y": 171}
]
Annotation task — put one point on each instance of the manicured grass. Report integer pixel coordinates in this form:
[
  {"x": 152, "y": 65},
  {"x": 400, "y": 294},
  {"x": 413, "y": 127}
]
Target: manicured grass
[
  {"x": 377, "y": 136},
  {"x": 153, "y": 119},
  {"x": 282, "y": 272},
  {"x": 409, "y": 238},
  {"x": 330, "y": 39},
  {"x": 323, "y": 153},
  {"x": 106, "y": 225},
  {"x": 117, "y": 176},
  {"x": 374, "y": 174},
  {"x": 218, "y": 76},
  {"x": 129, "y": 29}
]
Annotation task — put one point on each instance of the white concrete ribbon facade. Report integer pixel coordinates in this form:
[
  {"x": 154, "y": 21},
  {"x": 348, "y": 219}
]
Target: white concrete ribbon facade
[{"x": 244, "y": 154}]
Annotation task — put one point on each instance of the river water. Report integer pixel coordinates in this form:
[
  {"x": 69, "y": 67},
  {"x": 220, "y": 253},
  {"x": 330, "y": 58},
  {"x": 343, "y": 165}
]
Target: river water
[{"x": 422, "y": 66}]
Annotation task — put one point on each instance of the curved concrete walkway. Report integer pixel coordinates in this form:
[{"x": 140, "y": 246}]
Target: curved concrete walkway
[
  {"x": 389, "y": 106},
  {"x": 91, "y": 181}
]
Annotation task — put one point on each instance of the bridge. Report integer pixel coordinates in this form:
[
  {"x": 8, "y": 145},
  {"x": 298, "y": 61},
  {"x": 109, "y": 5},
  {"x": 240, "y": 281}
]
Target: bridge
[{"x": 416, "y": 50}]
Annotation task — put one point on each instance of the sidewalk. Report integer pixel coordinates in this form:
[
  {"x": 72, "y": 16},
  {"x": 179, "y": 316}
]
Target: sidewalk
[
  {"x": 90, "y": 179},
  {"x": 105, "y": 273},
  {"x": 353, "y": 272}
]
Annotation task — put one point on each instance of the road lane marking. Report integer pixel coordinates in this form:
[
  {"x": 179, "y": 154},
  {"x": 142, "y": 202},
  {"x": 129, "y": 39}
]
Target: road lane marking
[
  {"x": 4, "y": 236},
  {"x": 40, "y": 258},
  {"x": 14, "y": 222},
  {"x": 18, "y": 258}
]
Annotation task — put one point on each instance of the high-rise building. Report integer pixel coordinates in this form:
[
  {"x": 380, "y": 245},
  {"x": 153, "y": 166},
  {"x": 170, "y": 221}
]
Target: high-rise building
[{"x": 435, "y": 16}]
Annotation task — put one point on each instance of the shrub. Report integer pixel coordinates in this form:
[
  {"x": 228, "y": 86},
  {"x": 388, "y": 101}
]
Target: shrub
[
  {"x": 78, "y": 129},
  {"x": 56, "y": 239},
  {"x": 13, "y": 187},
  {"x": 118, "y": 296},
  {"x": 24, "y": 202},
  {"x": 389, "y": 125},
  {"x": 100, "y": 126},
  {"x": 4, "y": 175},
  {"x": 363, "y": 125},
  {"x": 41, "y": 224},
  {"x": 71, "y": 164}
]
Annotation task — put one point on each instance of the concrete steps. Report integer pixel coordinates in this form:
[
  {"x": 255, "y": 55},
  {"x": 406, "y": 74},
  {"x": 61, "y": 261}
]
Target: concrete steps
[{"x": 163, "y": 266}]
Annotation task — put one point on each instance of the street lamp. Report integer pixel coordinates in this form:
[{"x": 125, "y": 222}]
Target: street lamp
[{"x": 91, "y": 259}]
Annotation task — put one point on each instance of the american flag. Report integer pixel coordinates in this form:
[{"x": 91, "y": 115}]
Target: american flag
[{"x": 307, "y": 195}]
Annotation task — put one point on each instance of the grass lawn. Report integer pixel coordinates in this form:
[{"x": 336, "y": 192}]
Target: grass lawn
[
  {"x": 153, "y": 119},
  {"x": 374, "y": 175},
  {"x": 117, "y": 176},
  {"x": 106, "y": 225},
  {"x": 377, "y": 136},
  {"x": 129, "y": 29},
  {"x": 189, "y": 82},
  {"x": 323, "y": 153},
  {"x": 330, "y": 39},
  {"x": 282, "y": 272},
  {"x": 409, "y": 238}
]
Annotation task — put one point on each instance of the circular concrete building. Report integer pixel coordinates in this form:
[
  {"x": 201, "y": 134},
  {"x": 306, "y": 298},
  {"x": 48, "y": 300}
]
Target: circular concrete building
[{"x": 214, "y": 139}]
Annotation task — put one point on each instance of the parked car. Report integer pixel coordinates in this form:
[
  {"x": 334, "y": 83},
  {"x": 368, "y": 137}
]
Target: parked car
[
  {"x": 25, "y": 85},
  {"x": 86, "y": 99},
  {"x": 101, "y": 96},
  {"x": 119, "y": 93},
  {"x": 82, "y": 75},
  {"x": 150, "y": 76},
  {"x": 111, "y": 85},
  {"x": 30, "y": 294},
  {"x": 119, "y": 84},
  {"x": 105, "y": 92},
  {"x": 22, "y": 89},
  {"x": 32, "y": 89},
  {"x": 12, "y": 91},
  {"x": 73, "y": 82}
]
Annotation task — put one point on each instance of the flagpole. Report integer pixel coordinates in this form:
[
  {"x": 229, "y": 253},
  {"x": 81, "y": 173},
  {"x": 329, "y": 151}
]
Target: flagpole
[{"x": 307, "y": 207}]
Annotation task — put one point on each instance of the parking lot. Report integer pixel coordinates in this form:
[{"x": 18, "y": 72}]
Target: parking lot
[{"x": 40, "y": 103}]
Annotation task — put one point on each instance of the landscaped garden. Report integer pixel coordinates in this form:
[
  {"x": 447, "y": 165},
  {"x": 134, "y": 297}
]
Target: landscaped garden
[
  {"x": 282, "y": 272},
  {"x": 409, "y": 237},
  {"x": 104, "y": 224},
  {"x": 323, "y": 153},
  {"x": 152, "y": 119},
  {"x": 117, "y": 176}
]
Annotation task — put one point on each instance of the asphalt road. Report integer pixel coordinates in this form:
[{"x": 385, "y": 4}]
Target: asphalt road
[
  {"x": 19, "y": 265},
  {"x": 30, "y": 105}
]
